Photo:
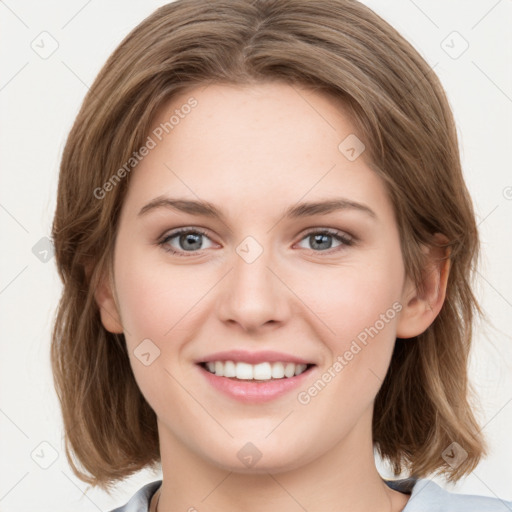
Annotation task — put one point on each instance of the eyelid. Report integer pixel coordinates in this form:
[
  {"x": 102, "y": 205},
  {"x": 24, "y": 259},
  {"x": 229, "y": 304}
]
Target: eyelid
[
  {"x": 330, "y": 231},
  {"x": 164, "y": 239},
  {"x": 345, "y": 239},
  {"x": 186, "y": 229}
]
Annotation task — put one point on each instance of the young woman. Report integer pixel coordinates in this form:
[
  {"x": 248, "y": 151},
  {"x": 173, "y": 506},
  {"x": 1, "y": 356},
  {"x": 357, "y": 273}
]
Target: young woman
[{"x": 266, "y": 246}]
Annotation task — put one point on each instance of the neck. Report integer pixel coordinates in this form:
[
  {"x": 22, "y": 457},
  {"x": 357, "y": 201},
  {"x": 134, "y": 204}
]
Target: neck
[{"x": 344, "y": 479}]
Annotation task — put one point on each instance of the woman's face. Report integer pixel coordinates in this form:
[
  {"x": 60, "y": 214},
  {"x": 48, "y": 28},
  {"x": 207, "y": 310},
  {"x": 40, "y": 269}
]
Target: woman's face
[{"x": 264, "y": 279}]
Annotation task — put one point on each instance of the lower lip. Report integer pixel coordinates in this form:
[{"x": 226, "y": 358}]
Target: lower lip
[{"x": 253, "y": 391}]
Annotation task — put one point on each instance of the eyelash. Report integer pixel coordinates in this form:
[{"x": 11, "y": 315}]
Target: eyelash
[{"x": 346, "y": 240}]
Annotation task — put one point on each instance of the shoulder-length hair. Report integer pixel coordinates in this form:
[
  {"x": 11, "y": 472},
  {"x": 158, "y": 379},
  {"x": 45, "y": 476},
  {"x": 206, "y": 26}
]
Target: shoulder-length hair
[{"x": 339, "y": 47}]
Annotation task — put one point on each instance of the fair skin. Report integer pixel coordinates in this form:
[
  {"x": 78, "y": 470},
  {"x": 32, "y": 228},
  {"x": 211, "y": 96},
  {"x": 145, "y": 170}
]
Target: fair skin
[{"x": 253, "y": 152}]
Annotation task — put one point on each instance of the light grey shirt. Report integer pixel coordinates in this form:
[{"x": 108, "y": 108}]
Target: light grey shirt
[{"x": 426, "y": 496}]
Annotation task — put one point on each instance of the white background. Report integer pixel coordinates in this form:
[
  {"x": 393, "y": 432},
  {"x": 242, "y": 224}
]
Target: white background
[{"x": 39, "y": 99}]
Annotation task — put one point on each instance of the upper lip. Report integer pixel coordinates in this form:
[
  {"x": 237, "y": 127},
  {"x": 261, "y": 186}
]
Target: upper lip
[{"x": 253, "y": 357}]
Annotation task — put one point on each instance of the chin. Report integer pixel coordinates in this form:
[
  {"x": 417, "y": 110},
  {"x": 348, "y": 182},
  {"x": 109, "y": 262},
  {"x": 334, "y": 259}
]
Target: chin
[{"x": 255, "y": 458}]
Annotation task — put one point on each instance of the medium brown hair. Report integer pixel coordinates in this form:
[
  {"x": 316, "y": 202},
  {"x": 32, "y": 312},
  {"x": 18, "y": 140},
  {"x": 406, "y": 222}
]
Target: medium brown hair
[{"x": 339, "y": 47}]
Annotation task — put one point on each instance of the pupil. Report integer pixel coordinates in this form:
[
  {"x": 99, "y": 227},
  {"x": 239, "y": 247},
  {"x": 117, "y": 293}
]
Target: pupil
[
  {"x": 321, "y": 239},
  {"x": 186, "y": 238}
]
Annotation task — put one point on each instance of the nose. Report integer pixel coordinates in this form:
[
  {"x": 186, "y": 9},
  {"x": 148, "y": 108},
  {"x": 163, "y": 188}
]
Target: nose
[{"x": 253, "y": 295}]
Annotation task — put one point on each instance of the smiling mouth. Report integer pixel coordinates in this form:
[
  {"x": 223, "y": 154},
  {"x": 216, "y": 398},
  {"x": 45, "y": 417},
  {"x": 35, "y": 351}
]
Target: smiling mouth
[{"x": 261, "y": 372}]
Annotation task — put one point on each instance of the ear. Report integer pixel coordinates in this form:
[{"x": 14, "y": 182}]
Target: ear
[
  {"x": 421, "y": 308},
  {"x": 109, "y": 311}
]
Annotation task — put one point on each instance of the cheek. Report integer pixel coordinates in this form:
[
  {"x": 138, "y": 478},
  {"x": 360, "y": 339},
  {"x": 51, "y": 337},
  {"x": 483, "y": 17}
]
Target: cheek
[
  {"x": 354, "y": 297},
  {"x": 361, "y": 305},
  {"x": 360, "y": 353},
  {"x": 155, "y": 307},
  {"x": 154, "y": 298}
]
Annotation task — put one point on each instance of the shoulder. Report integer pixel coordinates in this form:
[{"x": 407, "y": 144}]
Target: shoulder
[
  {"x": 428, "y": 495},
  {"x": 424, "y": 493},
  {"x": 139, "y": 502}
]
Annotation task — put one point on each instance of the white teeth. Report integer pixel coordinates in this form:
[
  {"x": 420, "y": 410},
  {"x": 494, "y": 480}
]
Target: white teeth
[
  {"x": 260, "y": 371},
  {"x": 219, "y": 369},
  {"x": 289, "y": 370},
  {"x": 299, "y": 368},
  {"x": 243, "y": 370},
  {"x": 277, "y": 370},
  {"x": 229, "y": 369}
]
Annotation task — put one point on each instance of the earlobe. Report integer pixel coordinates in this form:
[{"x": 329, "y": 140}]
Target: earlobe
[
  {"x": 109, "y": 312},
  {"x": 422, "y": 307}
]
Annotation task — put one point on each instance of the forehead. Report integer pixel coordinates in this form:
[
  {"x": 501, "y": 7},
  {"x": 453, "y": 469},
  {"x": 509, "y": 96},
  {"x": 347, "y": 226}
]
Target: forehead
[
  {"x": 270, "y": 142},
  {"x": 263, "y": 117}
]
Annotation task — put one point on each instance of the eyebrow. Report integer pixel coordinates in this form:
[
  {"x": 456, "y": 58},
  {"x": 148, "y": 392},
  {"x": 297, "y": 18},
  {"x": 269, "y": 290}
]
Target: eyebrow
[{"x": 300, "y": 210}]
